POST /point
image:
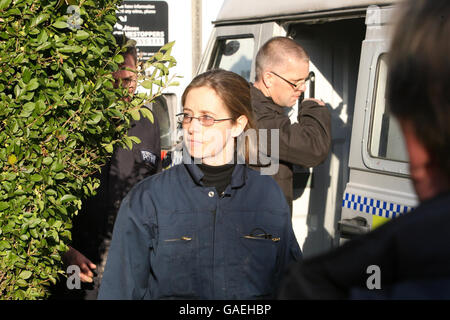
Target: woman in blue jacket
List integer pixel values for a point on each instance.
(209, 228)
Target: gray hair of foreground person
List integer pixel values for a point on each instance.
(419, 77)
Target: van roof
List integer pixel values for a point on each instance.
(265, 10)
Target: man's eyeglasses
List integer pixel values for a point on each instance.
(295, 86)
(205, 120)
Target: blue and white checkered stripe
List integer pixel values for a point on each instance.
(374, 206)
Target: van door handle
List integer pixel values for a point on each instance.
(350, 228)
(312, 84)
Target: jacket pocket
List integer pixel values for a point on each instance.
(175, 258)
(259, 259)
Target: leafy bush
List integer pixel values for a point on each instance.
(59, 120)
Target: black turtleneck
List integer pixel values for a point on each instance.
(217, 176)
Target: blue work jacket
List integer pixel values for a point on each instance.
(174, 238)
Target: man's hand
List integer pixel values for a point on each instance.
(74, 257)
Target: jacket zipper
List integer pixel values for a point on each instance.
(214, 242)
(213, 251)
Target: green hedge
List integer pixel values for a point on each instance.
(59, 120)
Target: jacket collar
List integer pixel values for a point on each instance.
(238, 176)
(260, 100)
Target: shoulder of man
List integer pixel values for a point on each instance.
(263, 105)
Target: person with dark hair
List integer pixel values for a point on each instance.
(209, 228)
(411, 252)
(92, 229)
(282, 70)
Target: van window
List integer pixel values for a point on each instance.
(386, 139)
(234, 54)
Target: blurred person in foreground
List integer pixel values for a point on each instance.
(411, 252)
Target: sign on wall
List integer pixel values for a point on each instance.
(146, 22)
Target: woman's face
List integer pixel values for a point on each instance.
(214, 144)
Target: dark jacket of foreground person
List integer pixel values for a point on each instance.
(412, 253)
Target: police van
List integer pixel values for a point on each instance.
(364, 181)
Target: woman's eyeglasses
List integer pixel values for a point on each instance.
(205, 120)
(295, 86)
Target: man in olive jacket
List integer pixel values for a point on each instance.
(282, 69)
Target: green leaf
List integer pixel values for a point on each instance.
(68, 72)
(36, 177)
(26, 75)
(95, 118)
(12, 159)
(81, 35)
(39, 19)
(60, 176)
(128, 142)
(34, 233)
(4, 245)
(25, 274)
(34, 222)
(47, 160)
(147, 84)
(43, 36)
(4, 4)
(44, 46)
(109, 147)
(17, 91)
(70, 49)
(135, 114)
(51, 192)
(167, 46)
(32, 85)
(80, 72)
(135, 139)
(148, 114)
(24, 237)
(60, 24)
(119, 59)
(27, 109)
(3, 205)
(57, 166)
(21, 283)
(68, 197)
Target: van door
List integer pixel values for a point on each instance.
(334, 48)
(234, 47)
(164, 108)
(379, 187)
